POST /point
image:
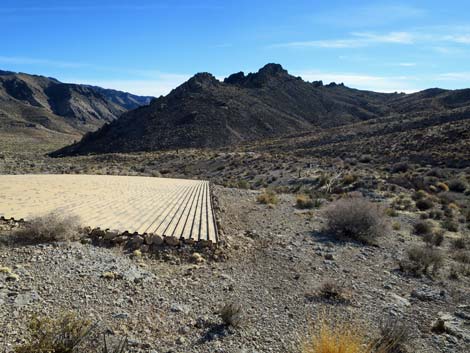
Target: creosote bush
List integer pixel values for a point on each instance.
(457, 185)
(356, 218)
(52, 227)
(422, 227)
(424, 204)
(435, 238)
(422, 260)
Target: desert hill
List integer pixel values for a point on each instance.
(33, 105)
(204, 112)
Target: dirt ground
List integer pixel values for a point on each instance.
(272, 262)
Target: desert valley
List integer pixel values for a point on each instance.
(331, 204)
(248, 212)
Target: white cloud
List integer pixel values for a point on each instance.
(20, 60)
(454, 76)
(407, 64)
(460, 38)
(357, 40)
(369, 15)
(405, 84)
(391, 37)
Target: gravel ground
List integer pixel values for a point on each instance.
(274, 260)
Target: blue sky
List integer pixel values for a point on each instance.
(149, 47)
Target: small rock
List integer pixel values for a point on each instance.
(108, 275)
(12, 277)
(197, 258)
(172, 241)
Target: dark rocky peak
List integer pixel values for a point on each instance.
(236, 79)
(272, 70)
(199, 82)
(317, 83)
(334, 84)
(259, 79)
(4, 73)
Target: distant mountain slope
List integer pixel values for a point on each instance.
(31, 104)
(204, 112)
(124, 99)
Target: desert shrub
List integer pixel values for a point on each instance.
(396, 226)
(365, 158)
(421, 259)
(462, 256)
(356, 218)
(446, 198)
(304, 201)
(436, 214)
(62, 335)
(435, 238)
(243, 184)
(394, 335)
(420, 194)
(424, 204)
(457, 185)
(437, 172)
(442, 186)
(49, 228)
(450, 225)
(422, 227)
(268, 197)
(349, 179)
(336, 336)
(400, 167)
(232, 314)
(67, 334)
(461, 243)
(391, 212)
(332, 290)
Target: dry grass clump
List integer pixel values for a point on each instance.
(442, 186)
(422, 260)
(349, 179)
(232, 314)
(304, 201)
(62, 335)
(331, 290)
(336, 337)
(394, 335)
(52, 227)
(268, 197)
(356, 218)
(66, 334)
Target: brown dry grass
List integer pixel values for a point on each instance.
(336, 337)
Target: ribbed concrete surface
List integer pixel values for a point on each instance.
(167, 207)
